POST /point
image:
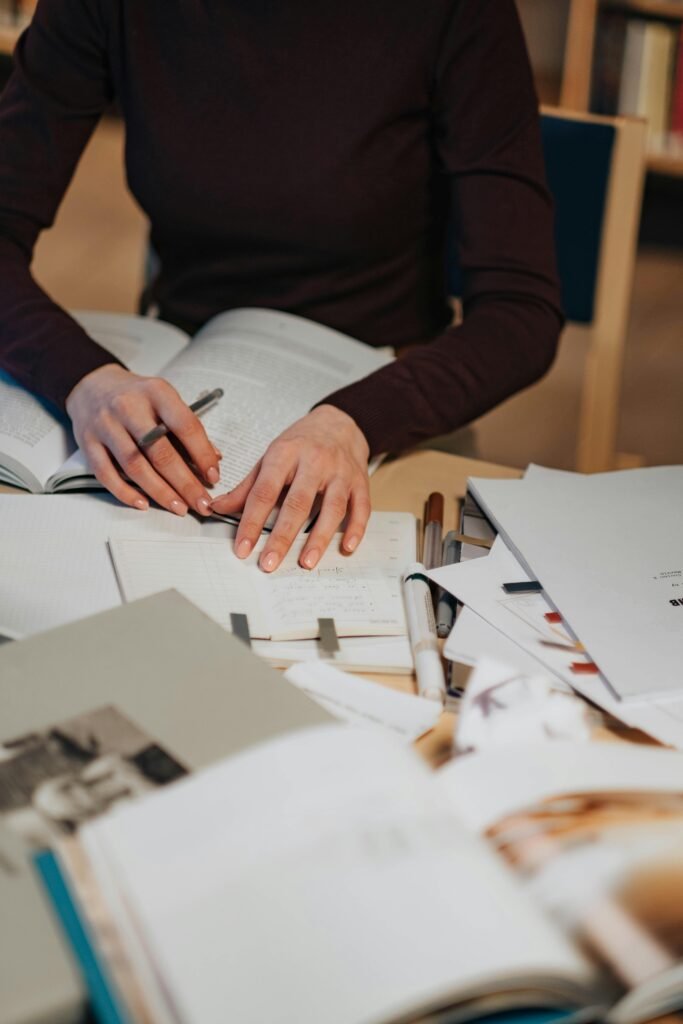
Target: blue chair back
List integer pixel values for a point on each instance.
(578, 158)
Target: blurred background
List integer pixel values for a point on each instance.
(594, 55)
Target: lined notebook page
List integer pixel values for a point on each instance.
(362, 592)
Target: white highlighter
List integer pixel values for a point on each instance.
(422, 633)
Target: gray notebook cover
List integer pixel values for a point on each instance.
(191, 687)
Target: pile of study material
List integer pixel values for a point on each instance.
(585, 580)
(224, 851)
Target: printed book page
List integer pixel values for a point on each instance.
(338, 836)
(597, 840)
(361, 592)
(35, 442)
(273, 368)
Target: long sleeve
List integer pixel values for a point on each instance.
(55, 96)
(487, 143)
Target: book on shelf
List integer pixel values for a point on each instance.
(330, 875)
(637, 71)
(677, 97)
(273, 367)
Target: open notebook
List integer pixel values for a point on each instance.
(45, 583)
(362, 593)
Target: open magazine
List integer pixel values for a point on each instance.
(272, 367)
(329, 875)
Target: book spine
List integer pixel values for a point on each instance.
(647, 76)
(632, 69)
(677, 94)
(609, 60)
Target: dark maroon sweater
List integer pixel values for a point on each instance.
(303, 155)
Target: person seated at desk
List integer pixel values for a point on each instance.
(310, 158)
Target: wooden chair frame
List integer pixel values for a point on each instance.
(601, 388)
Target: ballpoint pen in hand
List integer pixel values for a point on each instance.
(203, 403)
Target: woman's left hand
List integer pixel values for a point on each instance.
(323, 453)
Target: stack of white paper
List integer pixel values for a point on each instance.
(609, 553)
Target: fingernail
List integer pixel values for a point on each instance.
(243, 548)
(212, 475)
(204, 506)
(352, 543)
(310, 559)
(178, 507)
(270, 561)
(141, 504)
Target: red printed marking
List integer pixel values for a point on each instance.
(553, 617)
(587, 668)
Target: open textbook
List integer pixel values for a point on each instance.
(329, 875)
(272, 367)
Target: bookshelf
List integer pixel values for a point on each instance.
(575, 92)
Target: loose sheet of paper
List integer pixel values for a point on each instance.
(362, 702)
(609, 553)
(479, 584)
(472, 638)
(503, 707)
(55, 566)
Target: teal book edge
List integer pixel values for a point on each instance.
(105, 1005)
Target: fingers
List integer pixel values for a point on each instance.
(233, 501)
(323, 453)
(187, 427)
(172, 468)
(359, 513)
(333, 510)
(294, 512)
(173, 476)
(135, 465)
(273, 475)
(112, 408)
(107, 474)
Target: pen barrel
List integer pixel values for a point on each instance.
(432, 545)
(430, 677)
(422, 632)
(445, 613)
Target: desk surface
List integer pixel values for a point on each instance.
(403, 484)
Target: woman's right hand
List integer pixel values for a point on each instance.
(111, 409)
